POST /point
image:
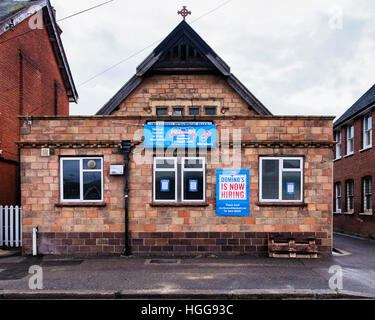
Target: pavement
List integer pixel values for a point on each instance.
(219, 278)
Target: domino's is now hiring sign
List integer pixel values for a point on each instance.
(232, 192)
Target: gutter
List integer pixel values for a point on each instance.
(125, 148)
(353, 117)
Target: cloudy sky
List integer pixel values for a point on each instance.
(297, 57)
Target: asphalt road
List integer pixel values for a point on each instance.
(239, 273)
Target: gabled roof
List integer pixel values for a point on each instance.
(183, 50)
(362, 104)
(18, 11)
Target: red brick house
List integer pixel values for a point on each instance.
(183, 160)
(354, 168)
(35, 79)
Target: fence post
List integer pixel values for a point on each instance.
(17, 226)
(6, 225)
(1, 226)
(11, 225)
(21, 226)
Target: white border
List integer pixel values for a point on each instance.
(164, 169)
(281, 170)
(183, 169)
(81, 170)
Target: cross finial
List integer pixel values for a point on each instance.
(184, 12)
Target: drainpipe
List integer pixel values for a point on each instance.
(125, 148)
(35, 235)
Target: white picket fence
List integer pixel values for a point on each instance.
(10, 226)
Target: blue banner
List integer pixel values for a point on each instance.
(179, 135)
(232, 192)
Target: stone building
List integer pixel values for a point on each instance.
(210, 170)
(354, 168)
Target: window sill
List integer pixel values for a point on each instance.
(366, 148)
(349, 213)
(337, 159)
(80, 204)
(349, 155)
(336, 213)
(179, 204)
(365, 214)
(281, 204)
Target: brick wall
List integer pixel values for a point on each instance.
(355, 167)
(28, 70)
(8, 173)
(153, 228)
(183, 90)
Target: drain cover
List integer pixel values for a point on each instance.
(163, 261)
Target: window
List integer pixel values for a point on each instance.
(338, 144)
(367, 194)
(194, 111)
(165, 179)
(338, 197)
(367, 132)
(193, 179)
(161, 111)
(81, 179)
(178, 111)
(349, 196)
(179, 179)
(350, 140)
(281, 179)
(210, 111)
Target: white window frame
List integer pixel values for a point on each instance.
(338, 196)
(164, 169)
(183, 170)
(367, 128)
(81, 171)
(281, 170)
(364, 199)
(338, 144)
(350, 139)
(351, 210)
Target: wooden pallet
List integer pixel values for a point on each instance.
(281, 247)
(293, 255)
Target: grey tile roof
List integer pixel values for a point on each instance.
(8, 7)
(362, 104)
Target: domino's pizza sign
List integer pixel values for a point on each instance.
(232, 192)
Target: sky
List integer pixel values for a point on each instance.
(311, 57)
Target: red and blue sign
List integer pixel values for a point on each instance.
(180, 135)
(232, 192)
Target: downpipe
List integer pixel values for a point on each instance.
(125, 148)
(35, 236)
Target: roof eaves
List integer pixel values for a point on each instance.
(120, 96)
(245, 94)
(21, 14)
(72, 91)
(366, 101)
